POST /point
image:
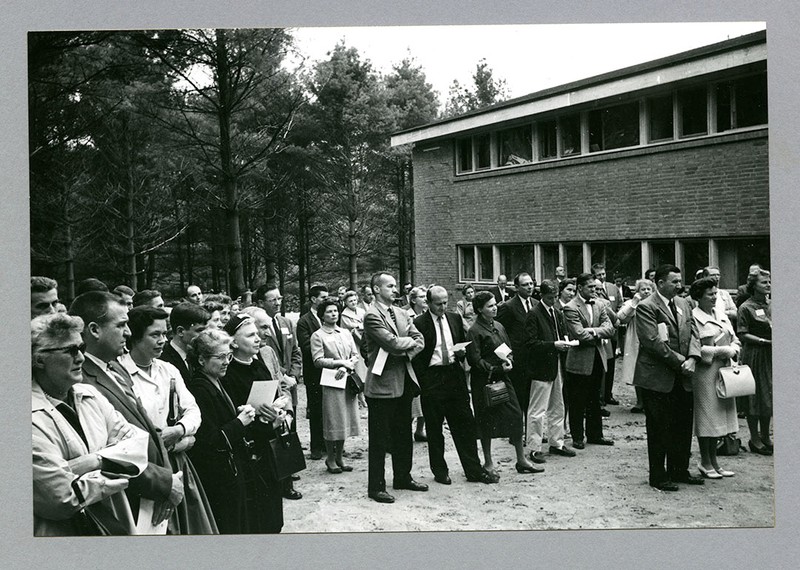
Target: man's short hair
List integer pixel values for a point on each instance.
(547, 286)
(375, 280)
(583, 279)
(366, 287)
(706, 270)
(663, 270)
(90, 284)
(429, 292)
(93, 306)
(519, 276)
(261, 293)
(187, 314)
(597, 267)
(121, 290)
(144, 297)
(139, 318)
(42, 284)
(315, 290)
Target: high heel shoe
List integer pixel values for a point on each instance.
(335, 469)
(528, 469)
(724, 472)
(759, 450)
(708, 473)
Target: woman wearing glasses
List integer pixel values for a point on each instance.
(220, 454)
(71, 422)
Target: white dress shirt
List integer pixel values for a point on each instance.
(437, 358)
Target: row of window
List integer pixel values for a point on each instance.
(686, 112)
(627, 259)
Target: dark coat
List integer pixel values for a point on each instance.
(540, 337)
(306, 326)
(169, 354)
(427, 327)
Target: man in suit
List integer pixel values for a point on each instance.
(546, 348)
(390, 334)
(148, 297)
(444, 390)
(105, 332)
(308, 323)
(667, 357)
(44, 296)
(585, 364)
(501, 291)
(187, 320)
(611, 293)
(367, 298)
(194, 294)
(561, 274)
(512, 315)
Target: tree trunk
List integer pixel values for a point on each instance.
(151, 269)
(69, 247)
(301, 255)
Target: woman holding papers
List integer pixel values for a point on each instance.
(502, 420)
(643, 289)
(72, 422)
(714, 417)
(333, 350)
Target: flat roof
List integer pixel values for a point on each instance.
(719, 56)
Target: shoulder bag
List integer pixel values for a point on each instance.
(734, 381)
(495, 392)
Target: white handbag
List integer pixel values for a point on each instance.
(734, 381)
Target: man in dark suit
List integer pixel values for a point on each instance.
(444, 389)
(105, 332)
(585, 364)
(667, 357)
(512, 315)
(501, 291)
(187, 320)
(611, 293)
(306, 326)
(391, 335)
(544, 341)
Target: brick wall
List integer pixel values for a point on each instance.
(711, 187)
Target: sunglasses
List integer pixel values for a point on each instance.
(226, 356)
(73, 350)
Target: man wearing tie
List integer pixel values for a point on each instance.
(389, 334)
(667, 357)
(512, 316)
(306, 326)
(280, 335)
(585, 364)
(546, 347)
(105, 332)
(611, 293)
(444, 390)
(500, 291)
(187, 320)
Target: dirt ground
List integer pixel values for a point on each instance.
(601, 488)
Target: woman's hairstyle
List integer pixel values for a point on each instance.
(753, 278)
(141, 317)
(220, 298)
(641, 283)
(564, 283)
(480, 299)
(349, 294)
(466, 288)
(324, 306)
(700, 286)
(207, 343)
(212, 306)
(48, 331)
(417, 292)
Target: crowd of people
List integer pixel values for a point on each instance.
(144, 420)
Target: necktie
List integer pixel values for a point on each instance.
(527, 306)
(394, 318)
(674, 310)
(601, 291)
(127, 387)
(277, 332)
(555, 323)
(445, 350)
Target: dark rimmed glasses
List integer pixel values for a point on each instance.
(73, 349)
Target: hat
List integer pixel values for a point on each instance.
(235, 323)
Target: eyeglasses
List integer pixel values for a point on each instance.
(73, 350)
(226, 356)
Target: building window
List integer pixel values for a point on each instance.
(660, 119)
(483, 151)
(614, 127)
(570, 135)
(742, 103)
(465, 155)
(737, 255)
(516, 259)
(549, 260)
(695, 256)
(621, 259)
(548, 140)
(515, 146)
(662, 252)
(693, 105)
(485, 263)
(574, 259)
(467, 263)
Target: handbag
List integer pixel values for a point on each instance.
(729, 445)
(734, 381)
(96, 519)
(286, 453)
(495, 392)
(354, 385)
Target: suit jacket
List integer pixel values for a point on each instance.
(381, 332)
(497, 297)
(659, 362)
(540, 337)
(288, 352)
(156, 480)
(580, 359)
(306, 326)
(169, 354)
(427, 327)
(512, 316)
(611, 293)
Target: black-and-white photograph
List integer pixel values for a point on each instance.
(393, 279)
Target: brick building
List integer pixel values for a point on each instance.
(662, 162)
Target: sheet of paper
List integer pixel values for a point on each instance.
(380, 362)
(262, 392)
(503, 351)
(144, 524)
(575, 342)
(328, 378)
(663, 332)
(459, 345)
(129, 454)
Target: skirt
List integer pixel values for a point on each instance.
(339, 414)
(502, 421)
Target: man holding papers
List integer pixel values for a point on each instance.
(444, 389)
(390, 342)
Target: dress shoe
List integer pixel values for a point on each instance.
(528, 469)
(381, 497)
(345, 468)
(689, 479)
(483, 477)
(637, 410)
(315, 455)
(335, 469)
(612, 402)
(604, 412)
(725, 472)
(410, 485)
(665, 486)
(763, 450)
(578, 444)
(600, 441)
(562, 451)
(443, 479)
(295, 477)
(537, 457)
(293, 495)
(769, 446)
(708, 473)
(420, 437)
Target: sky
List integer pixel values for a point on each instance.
(528, 57)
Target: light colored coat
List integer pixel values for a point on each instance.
(589, 331)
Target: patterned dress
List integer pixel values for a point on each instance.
(755, 317)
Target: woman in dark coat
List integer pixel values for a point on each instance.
(503, 420)
(220, 454)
